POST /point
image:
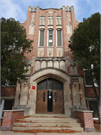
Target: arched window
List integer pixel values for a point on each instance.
(50, 83)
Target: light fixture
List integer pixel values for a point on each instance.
(24, 84)
(75, 85)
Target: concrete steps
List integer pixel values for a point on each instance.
(47, 121)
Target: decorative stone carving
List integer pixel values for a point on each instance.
(32, 25)
(37, 8)
(43, 64)
(50, 64)
(50, 20)
(62, 65)
(24, 93)
(49, 52)
(75, 70)
(67, 8)
(74, 80)
(50, 11)
(76, 96)
(72, 7)
(63, 7)
(75, 91)
(31, 28)
(59, 52)
(29, 8)
(37, 65)
(58, 20)
(56, 64)
(42, 20)
(68, 15)
(69, 28)
(40, 52)
(72, 71)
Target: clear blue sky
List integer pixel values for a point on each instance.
(18, 8)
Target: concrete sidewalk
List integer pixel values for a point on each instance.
(20, 133)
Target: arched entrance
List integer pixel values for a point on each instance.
(50, 97)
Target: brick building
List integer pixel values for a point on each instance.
(54, 83)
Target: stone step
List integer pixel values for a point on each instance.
(49, 115)
(50, 119)
(48, 124)
(48, 128)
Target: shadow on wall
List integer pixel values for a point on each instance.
(74, 107)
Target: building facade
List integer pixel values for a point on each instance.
(54, 83)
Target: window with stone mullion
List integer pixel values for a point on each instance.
(41, 37)
(50, 37)
(59, 38)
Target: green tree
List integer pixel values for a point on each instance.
(14, 44)
(85, 46)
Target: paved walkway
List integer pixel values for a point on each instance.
(19, 133)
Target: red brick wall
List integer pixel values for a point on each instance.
(8, 91)
(86, 119)
(10, 117)
(89, 92)
(35, 36)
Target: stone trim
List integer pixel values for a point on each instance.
(87, 111)
(89, 129)
(6, 128)
(7, 98)
(28, 75)
(19, 110)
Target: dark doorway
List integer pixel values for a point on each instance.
(93, 107)
(8, 104)
(50, 101)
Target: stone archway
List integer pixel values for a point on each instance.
(55, 74)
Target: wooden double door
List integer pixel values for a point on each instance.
(50, 100)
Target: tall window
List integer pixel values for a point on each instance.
(41, 41)
(50, 37)
(87, 78)
(59, 37)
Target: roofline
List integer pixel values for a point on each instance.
(51, 8)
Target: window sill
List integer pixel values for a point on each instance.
(50, 46)
(41, 46)
(9, 86)
(90, 86)
(59, 46)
